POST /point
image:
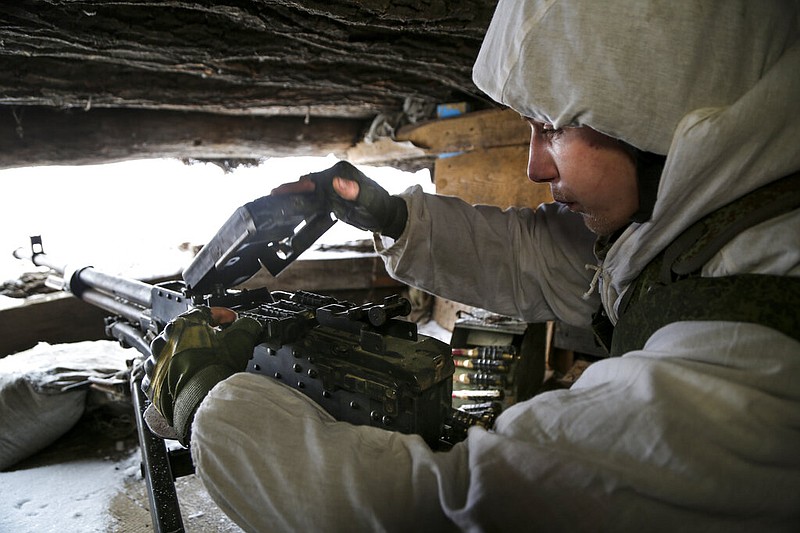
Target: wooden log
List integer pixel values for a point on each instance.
(42, 136)
(355, 58)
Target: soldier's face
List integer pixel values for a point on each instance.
(590, 173)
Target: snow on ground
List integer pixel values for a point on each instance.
(88, 479)
(70, 496)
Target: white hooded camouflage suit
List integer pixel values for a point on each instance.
(697, 431)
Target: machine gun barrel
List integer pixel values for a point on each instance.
(78, 280)
(114, 306)
(134, 291)
(127, 298)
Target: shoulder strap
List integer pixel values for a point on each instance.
(662, 296)
(697, 245)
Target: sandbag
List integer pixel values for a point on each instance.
(44, 390)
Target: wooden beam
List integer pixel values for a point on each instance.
(472, 131)
(44, 136)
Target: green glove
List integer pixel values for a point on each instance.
(373, 210)
(191, 356)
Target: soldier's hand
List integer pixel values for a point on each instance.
(195, 351)
(354, 198)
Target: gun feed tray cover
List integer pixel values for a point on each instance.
(271, 231)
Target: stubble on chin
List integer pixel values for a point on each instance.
(600, 225)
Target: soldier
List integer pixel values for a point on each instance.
(646, 118)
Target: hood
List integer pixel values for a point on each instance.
(712, 84)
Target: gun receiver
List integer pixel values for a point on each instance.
(361, 363)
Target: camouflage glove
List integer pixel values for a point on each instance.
(373, 210)
(191, 356)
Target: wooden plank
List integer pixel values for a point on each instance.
(496, 176)
(55, 318)
(385, 151)
(472, 131)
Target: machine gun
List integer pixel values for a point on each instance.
(361, 363)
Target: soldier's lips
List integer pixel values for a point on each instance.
(572, 206)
